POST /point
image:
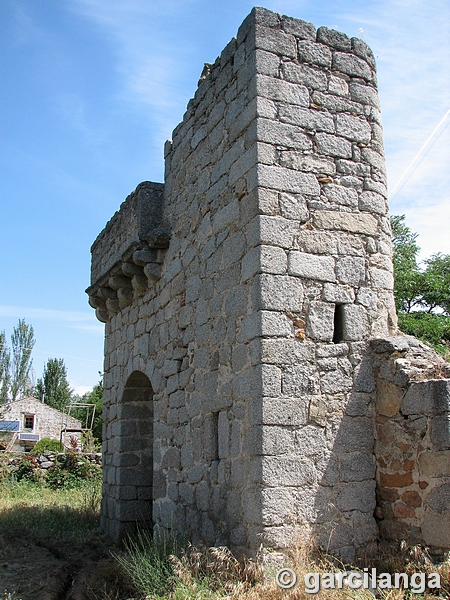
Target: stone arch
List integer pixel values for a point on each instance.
(134, 459)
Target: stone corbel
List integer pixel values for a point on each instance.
(139, 266)
(127, 280)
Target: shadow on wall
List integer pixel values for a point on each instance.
(394, 433)
(134, 456)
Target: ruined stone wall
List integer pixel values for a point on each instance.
(242, 346)
(413, 443)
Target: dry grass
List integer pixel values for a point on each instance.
(215, 573)
(152, 569)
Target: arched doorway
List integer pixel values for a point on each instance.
(134, 455)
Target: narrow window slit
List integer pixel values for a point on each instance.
(215, 436)
(338, 332)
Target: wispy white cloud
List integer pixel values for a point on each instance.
(25, 30)
(411, 41)
(149, 56)
(79, 389)
(79, 359)
(61, 316)
(72, 109)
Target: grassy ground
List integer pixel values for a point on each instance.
(66, 514)
(50, 548)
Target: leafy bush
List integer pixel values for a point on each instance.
(70, 471)
(430, 328)
(27, 469)
(46, 445)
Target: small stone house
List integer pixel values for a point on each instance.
(256, 384)
(24, 422)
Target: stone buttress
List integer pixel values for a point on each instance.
(239, 300)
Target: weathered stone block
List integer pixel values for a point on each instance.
(277, 231)
(284, 471)
(435, 464)
(354, 223)
(353, 128)
(276, 41)
(357, 466)
(317, 54)
(355, 322)
(310, 441)
(373, 202)
(279, 411)
(267, 63)
(427, 398)
(293, 159)
(357, 496)
(299, 380)
(340, 294)
(319, 321)
(284, 351)
(301, 29)
(338, 86)
(284, 180)
(439, 499)
(304, 74)
(440, 431)
(294, 207)
(311, 266)
(335, 382)
(367, 298)
(284, 91)
(277, 292)
(351, 270)
(333, 146)
(364, 94)
(436, 530)
(375, 159)
(389, 398)
(223, 435)
(333, 38)
(338, 194)
(355, 434)
(351, 65)
(308, 119)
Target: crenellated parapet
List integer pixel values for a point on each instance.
(127, 255)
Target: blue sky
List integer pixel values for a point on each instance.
(91, 89)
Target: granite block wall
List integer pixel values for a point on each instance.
(239, 316)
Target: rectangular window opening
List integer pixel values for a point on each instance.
(29, 421)
(338, 331)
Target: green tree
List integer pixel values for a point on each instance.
(96, 397)
(16, 363)
(407, 276)
(22, 343)
(422, 295)
(436, 283)
(53, 388)
(5, 376)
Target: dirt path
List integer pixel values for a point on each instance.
(33, 568)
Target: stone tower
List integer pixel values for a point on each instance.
(239, 300)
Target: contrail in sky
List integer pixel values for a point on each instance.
(418, 155)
